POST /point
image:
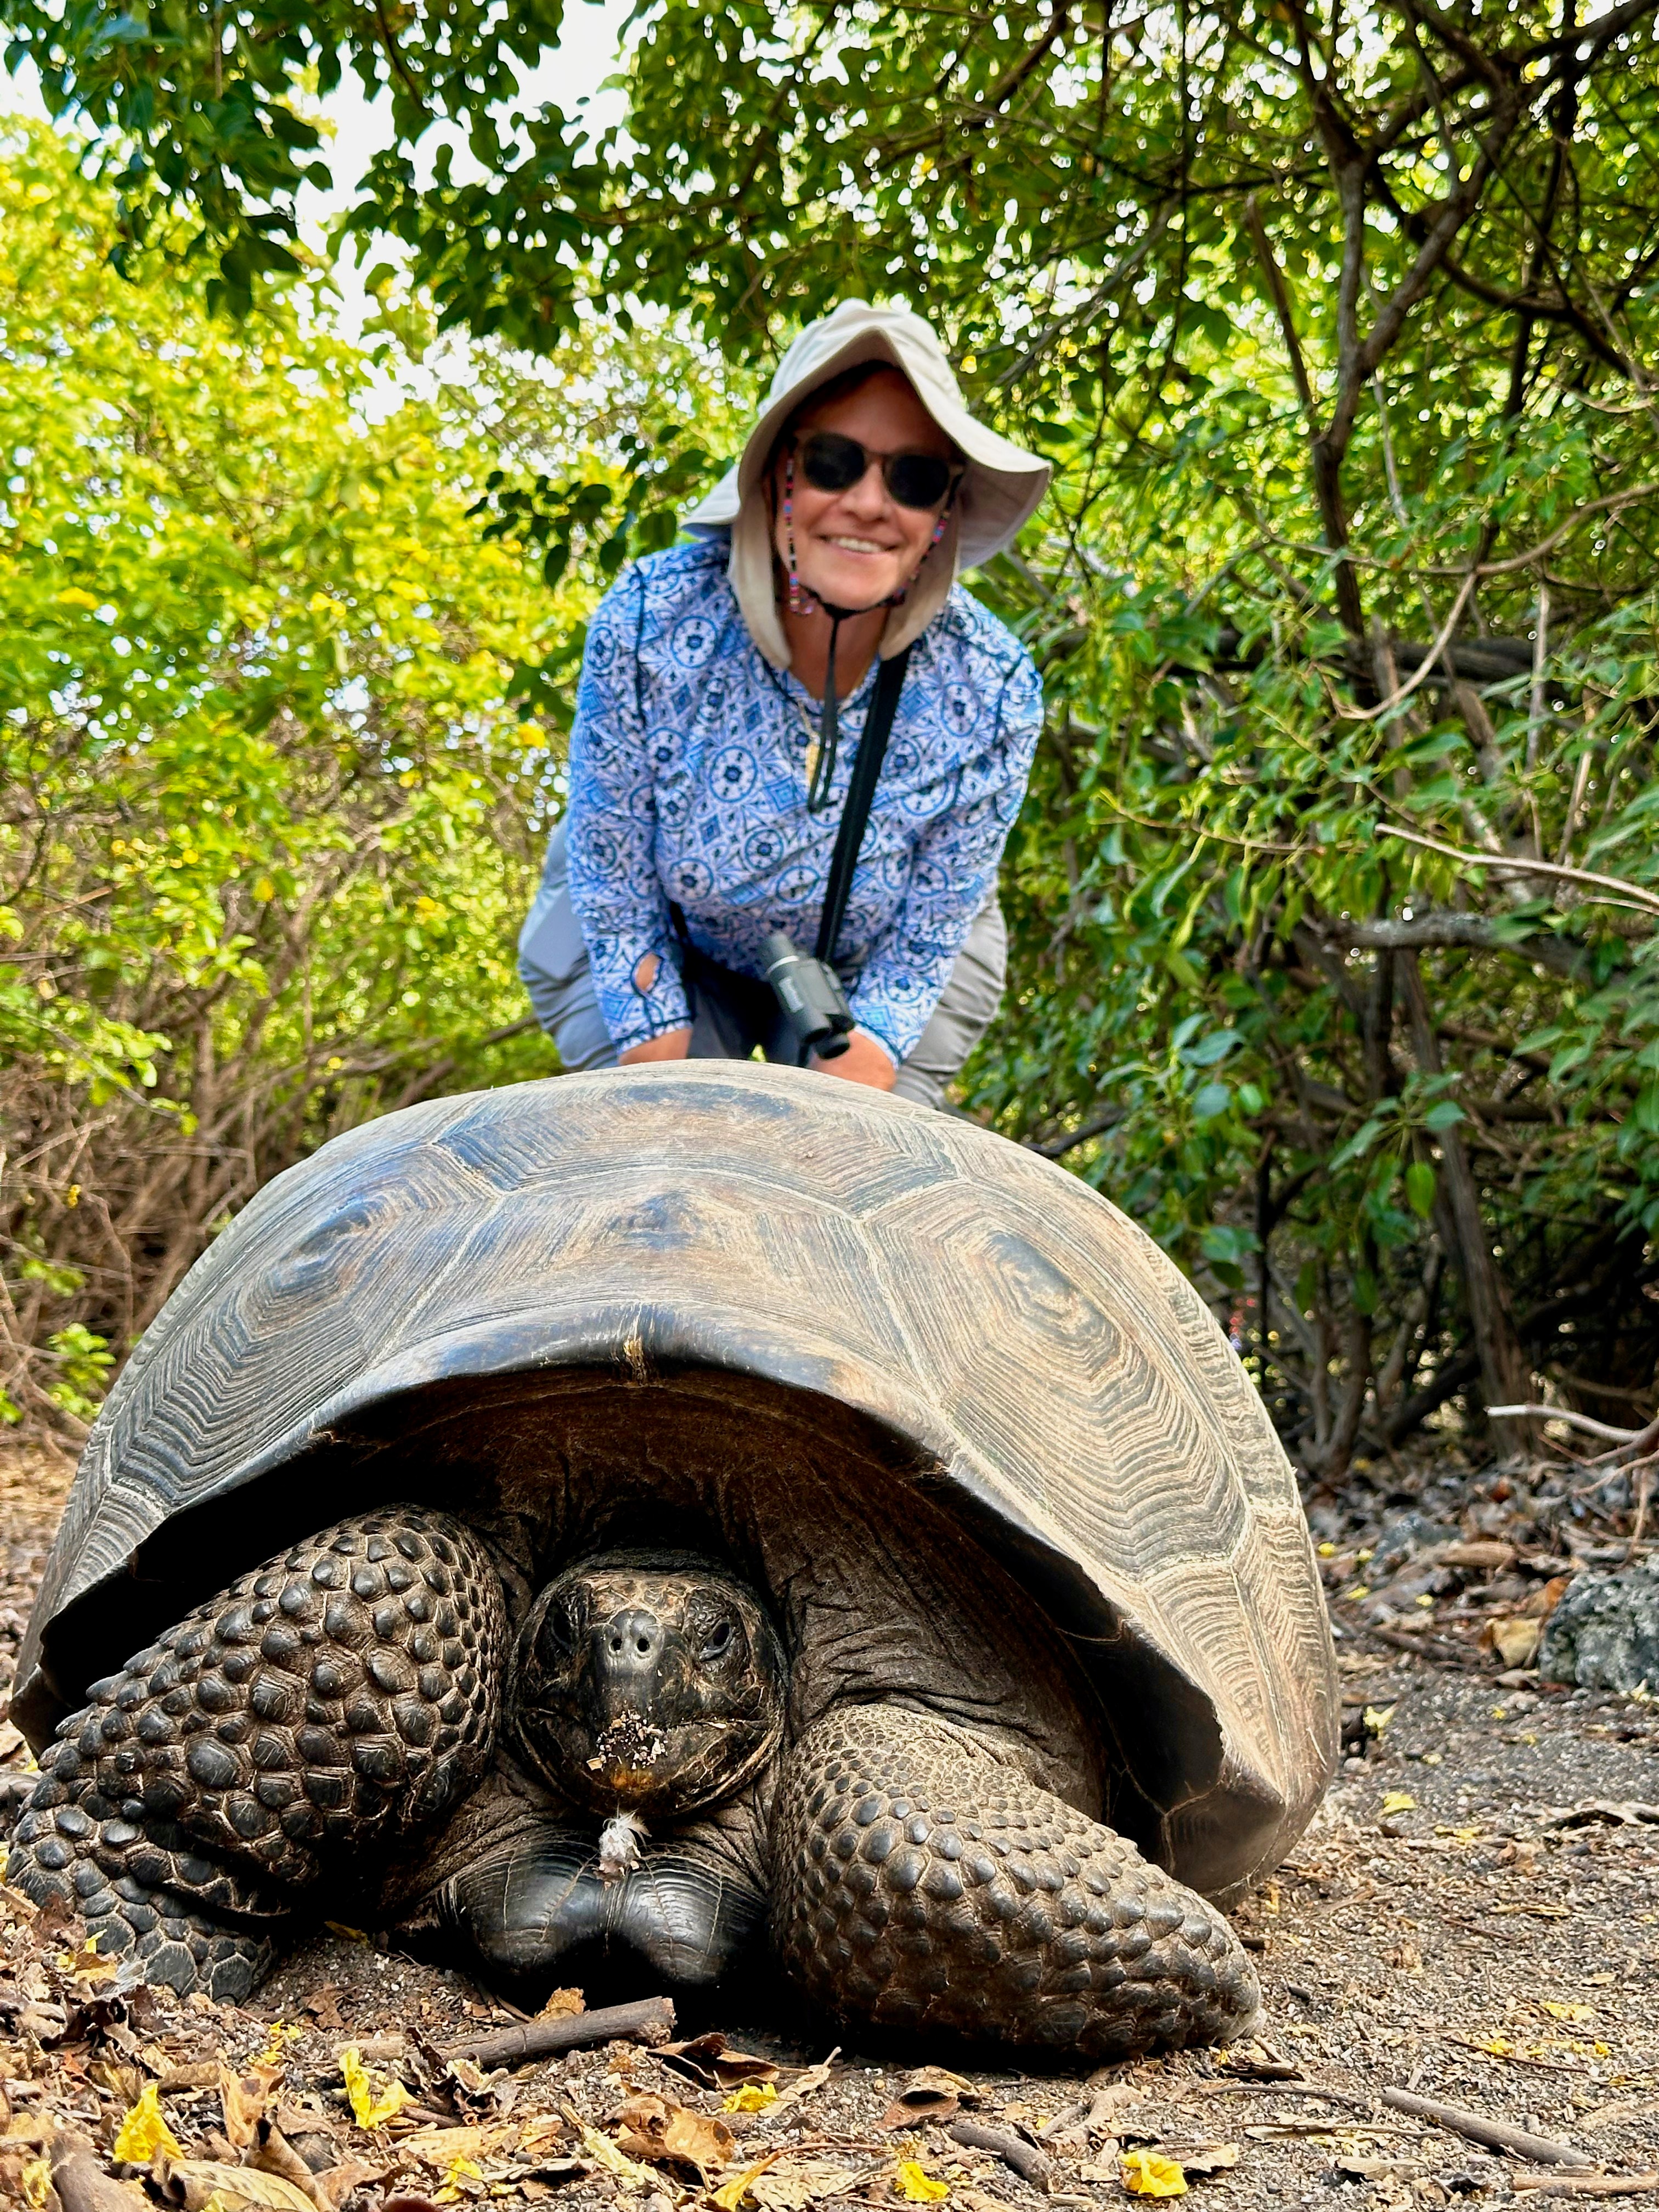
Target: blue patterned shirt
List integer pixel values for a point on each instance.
(688, 782)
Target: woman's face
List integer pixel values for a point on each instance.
(856, 548)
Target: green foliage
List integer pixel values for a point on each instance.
(268, 821)
(1334, 903)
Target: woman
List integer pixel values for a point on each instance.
(723, 689)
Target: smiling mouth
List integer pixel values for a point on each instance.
(858, 545)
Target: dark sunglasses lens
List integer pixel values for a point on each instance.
(918, 479)
(831, 463)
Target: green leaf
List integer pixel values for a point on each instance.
(1421, 1184)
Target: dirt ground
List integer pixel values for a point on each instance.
(1473, 1918)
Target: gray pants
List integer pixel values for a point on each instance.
(553, 962)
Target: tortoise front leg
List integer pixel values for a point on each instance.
(921, 1883)
(304, 1720)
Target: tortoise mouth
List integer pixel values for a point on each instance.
(649, 1684)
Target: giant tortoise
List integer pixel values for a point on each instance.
(647, 1511)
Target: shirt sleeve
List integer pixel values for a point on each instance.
(953, 869)
(614, 886)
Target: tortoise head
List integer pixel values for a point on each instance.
(648, 1683)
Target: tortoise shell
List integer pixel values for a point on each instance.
(1000, 1334)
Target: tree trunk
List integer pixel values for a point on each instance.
(1505, 1370)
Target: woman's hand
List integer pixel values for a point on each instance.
(863, 1061)
(673, 1044)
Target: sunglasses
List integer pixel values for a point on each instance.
(830, 462)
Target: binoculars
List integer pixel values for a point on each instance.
(809, 996)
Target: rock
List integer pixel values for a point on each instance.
(1402, 1539)
(1604, 1634)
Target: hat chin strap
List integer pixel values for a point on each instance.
(803, 600)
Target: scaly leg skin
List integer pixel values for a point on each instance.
(314, 1712)
(922, 1884)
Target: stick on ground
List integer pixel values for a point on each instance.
(1013, 2150)
(651, 2019)
(1496, 2135)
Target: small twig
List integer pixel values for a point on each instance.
(1508, 2058)
(1588, 2185)
(1425, 1647)
(1560, 1413)
(651, 2019)
(1027, 2161)
(1516, 865)
(1288, 2089)
(1496, 2135)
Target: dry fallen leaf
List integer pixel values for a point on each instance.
(144, 2131)
(806, 2084)
(331, 2187)
(562, 2004)
(242, 2104)
(1207, 2159)
(929, 2094)
(1514, 1640)
(323, 2005)
(196, 2184)
(792, 2184)
(1144, 2174)
(439, 2147)
(669, 2135)
(708, 2061)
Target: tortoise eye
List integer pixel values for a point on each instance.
(718, 1643)
(558, 1640)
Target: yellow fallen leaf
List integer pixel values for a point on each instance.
(462, 2169)
(1566, 2011)
(604, 2153)
(733, 2195)
(753, 2097)
(915, 2186)
(144, 2131)
(1145, 2174)
(1399, 1801)
(276, 2035)
(35, 2181)
(1360, 1590)
(371, 2106)
(562, 2004)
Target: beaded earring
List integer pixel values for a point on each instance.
(903, 591)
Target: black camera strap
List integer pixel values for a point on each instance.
(861, 792)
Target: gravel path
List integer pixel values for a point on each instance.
(1473, 1917)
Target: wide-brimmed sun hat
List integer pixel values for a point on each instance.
(1001, 487)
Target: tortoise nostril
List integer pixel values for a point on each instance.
(616, 1644)
(643, 1646)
